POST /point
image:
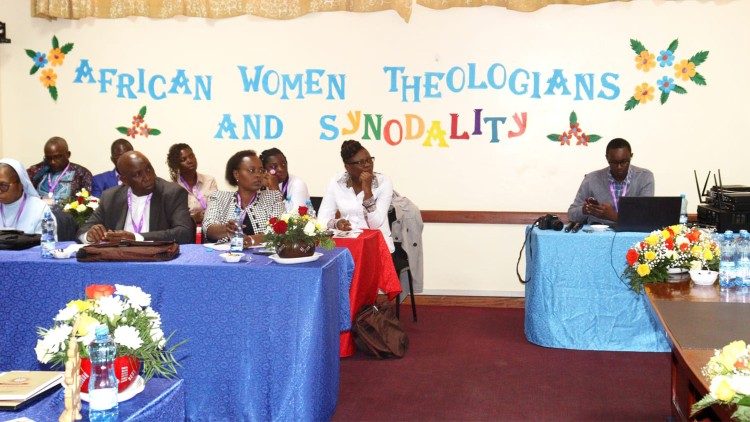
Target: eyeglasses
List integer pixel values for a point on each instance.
(362, 162)
(619, 163)
(5, 186)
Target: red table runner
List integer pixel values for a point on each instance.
(373, 270)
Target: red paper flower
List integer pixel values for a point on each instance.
(280, 227)
(669, 243)
(272, 220)
(693, 236)
(631, 256)
(95, 291)
(81, 200)
(302, 210)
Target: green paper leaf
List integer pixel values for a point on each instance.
(123, 130)
(33, 69)
(664, 97)
(553, 137)
(636, 46)
(742, 413)
(678, 89)
(53, 92)
(673, 45)
(154, 132)
(698, 79)
(55, 43)
(142, 111)
(30, 53)
(573, 118)
(706, 401)
(632, 102)
(594, 138)
(699, 57)
(745, 401)
(66, 48)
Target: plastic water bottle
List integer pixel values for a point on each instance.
(683, 210)
(310, 208)
(727, 270)
(49, 234)
(238, 238)
(743, 259)
(103, 406)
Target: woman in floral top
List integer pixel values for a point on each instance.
(257, 195)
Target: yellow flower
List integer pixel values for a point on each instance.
(645, 61)
(56, 57)
(684, 70)
(86, 324)
(708, 255)
(721, 388)
(665, 234)
(81, 208)
(650, 255)
(48, 78)
(84, 193)
(643, 270)
(652, 239)
(696, 251)
(731, 352)
(644, 93)
(677, 229)
(83, 305)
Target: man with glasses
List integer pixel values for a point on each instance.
(56, 178)
(600, 192)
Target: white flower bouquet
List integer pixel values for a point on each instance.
(135, 328)
(729, 373)
(81, 206)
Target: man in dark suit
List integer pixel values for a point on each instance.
(109, 179)
(145, 207)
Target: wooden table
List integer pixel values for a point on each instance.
(698, 320)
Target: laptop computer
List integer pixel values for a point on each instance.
(647, 213)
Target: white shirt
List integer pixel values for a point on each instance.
(139, 203)
(341, 197)
(296, 194)
(30, 221)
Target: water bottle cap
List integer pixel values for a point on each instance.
(102, 332)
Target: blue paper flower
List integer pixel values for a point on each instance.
(665, 84)
(40, 60)
(665, 58)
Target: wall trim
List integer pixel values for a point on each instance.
(495, 217)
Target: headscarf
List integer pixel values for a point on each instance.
(23, 177)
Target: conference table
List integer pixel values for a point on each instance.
(698, 320)
(262, 338)
(160, 400)
(373, 272)
(577, 299)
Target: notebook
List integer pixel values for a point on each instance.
(647, 213)
(18, 388)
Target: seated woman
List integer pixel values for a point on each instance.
(183, 169)
(361, 196)
(293, 189)
(254, 204)
(21, 208)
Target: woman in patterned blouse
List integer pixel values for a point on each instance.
(256, 200)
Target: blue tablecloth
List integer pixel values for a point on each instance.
(262, 337)
(161, 400)
(575, 298)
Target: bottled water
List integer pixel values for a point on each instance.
(683, 210)
(310, 208)
(727, 270)
(49, 234)
(103, 406)
(238, 238)
(743, 259)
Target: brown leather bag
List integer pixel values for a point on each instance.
(130, 250)
(378, 332)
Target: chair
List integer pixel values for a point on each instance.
(66, 225)
(401, 263)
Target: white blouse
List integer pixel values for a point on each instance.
(296, 194)
(340, 197)
(30, 220)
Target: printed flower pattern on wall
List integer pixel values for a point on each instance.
(684, 70)
(55, 57)
(574, 131)
(138, 126)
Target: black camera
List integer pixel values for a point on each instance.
(549, 222)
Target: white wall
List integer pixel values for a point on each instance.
(704, 129)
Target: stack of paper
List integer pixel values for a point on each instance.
(17, 387)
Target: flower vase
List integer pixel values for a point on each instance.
(677, 275)
(295, 250)
(127, 369)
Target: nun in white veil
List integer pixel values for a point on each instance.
(20, 205)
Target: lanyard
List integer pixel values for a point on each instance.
(195, 191)
(615, 198)
(18, 214)
(243, 214)
(284, 188)
(137, 227)
(52, 186)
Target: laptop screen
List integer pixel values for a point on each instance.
(647, 213)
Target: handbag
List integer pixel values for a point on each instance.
(17, 240)
(378, 332)
(129, 251)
